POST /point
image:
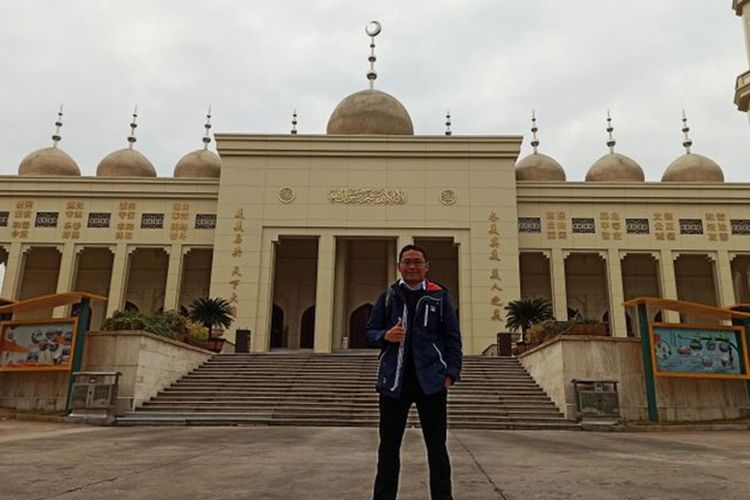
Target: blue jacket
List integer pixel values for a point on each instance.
(435, 340)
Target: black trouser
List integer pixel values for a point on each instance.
(433, 418)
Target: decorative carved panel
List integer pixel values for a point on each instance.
(205, 221)
(99, 219)
(691, 226)
(46, 219)
(152, 221)
(583, 225)
(529, 225)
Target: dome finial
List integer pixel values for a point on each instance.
(373, 29)
(611, 142)
(294, 122)
(685, 130)
(56, 137)
(207, 137)
(133, 125)
(448, 123)
(534, 130)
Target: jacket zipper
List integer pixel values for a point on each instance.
(400, 361)
(440, 355)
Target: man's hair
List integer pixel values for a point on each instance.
(416, 248)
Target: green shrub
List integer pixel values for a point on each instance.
(167, 324)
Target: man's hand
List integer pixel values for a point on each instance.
(396, 333)
(448, 382)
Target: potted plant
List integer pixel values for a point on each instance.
(211, 313)
(588, 326)
(523, 313)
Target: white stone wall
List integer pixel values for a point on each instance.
(148, 362)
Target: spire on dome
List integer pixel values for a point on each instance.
(133, 126)
(294, 123)
(534, 130)
(372, 29)
(448, 123)
(56, 137)
(207, 137)
(685, 130)
(611, 142)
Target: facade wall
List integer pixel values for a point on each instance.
(274, 187)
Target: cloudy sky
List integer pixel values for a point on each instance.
(489, 61)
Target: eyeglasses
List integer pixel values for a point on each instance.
(413, 262)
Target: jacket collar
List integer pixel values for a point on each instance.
(420, 286)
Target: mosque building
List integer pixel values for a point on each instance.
(300, 232)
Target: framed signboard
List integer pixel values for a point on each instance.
(37, 345)
(699, 351)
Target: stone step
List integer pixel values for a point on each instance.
(301, 388)
(452, 400)
(332, 415)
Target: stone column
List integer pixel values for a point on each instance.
(668, 283)
(340, 310)
(559, 292)
(119, 279)
(174, 271)
(324, 293)
(618, 326)
(392, 264)
(401, 241)
(723, 279)
(65, 275)
(13, 270)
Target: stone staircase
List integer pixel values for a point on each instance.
(338, 390)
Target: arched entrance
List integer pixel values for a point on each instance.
(277, 328)
(307, 329)
(358, 326)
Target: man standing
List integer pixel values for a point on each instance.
(416, 328)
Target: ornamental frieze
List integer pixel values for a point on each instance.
(367, 196)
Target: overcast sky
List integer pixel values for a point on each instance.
(490, 62)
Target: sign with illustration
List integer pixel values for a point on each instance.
(37, 345)
(700, 351)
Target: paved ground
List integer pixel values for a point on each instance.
(43, 460)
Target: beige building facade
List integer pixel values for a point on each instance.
(301, 232)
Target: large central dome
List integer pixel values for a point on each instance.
(370, 112)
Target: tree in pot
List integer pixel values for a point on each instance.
(211, 312)
(523, 313)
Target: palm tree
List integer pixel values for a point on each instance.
(211, 312)
(524, 313)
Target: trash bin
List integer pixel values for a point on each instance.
(504, 344)
(242, 340)
(597, 400)
(94, 396)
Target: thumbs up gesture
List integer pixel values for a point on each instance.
(396, 333)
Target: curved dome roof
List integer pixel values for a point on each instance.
(125, 163)
(539, 167)
(199, 163)
(693, 168)
(615, 167)
(370, 112)
(48, 161)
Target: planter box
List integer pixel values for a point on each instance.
(586, 329)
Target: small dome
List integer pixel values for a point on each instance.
(48, 161)
(370, 112)
(693, 168)
(200, 163)
(614, 167)
(125, 163)
(539, 167)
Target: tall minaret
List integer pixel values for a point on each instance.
(742, 88)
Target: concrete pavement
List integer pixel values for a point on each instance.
(46, 460)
